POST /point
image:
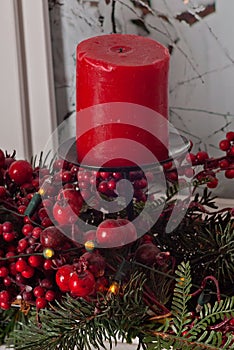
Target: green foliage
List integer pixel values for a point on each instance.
(9, 321)
(180, 299)
(83, 323)
(205, 237)
(180, 331)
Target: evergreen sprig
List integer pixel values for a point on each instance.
(181, 296)
(81, 323)
(180, 331)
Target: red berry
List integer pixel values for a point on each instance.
(103, 187)
(42, 213)
(140, 184)
(48, 264)
(110, 234)
(147, 253)
(172, 176)
(229, 174)
(5, 296)
(111, 184)
(5, 306)
(22, 245)
(38, 291)
(21, 209)
(21, 265)
(28, 272)
(62, 277)
(7, 226)
(46, 283)
(231, 152)
(167, 165)
(224, 145)
(105, 175)
(224, 164)
(46, 222)
(82, 284)
(213, 183)
(202, 156)
(230, 135)
(36, 232)
(50, 295)
(96, 263)
(3, 271)
(51, 237)
(67, 208)
(117, 176)
(66, 176)
(27, 229)
(7, 281)
(27, 296)
(35, 260)
(9, 236)
(20, 171)
(35, 183)
(41, 303)
(191, 158)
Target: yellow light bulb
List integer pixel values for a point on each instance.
(89, 246)
(48, 253)
(114, 288)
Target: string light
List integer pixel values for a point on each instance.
(119, 276)
(37, 198)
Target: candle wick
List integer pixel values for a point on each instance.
(120, 49)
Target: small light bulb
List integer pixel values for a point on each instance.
(48, 253)
(114, 288)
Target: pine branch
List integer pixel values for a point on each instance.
(81, 323)
(180, 331)
(180, 299)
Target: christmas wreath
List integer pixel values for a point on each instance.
(166, 288)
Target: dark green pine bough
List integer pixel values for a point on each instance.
(82, 324)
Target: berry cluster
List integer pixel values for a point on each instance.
(212, 166)
(38, 263)
(106, 183)
(36, 258)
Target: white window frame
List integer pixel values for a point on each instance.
(27, 104)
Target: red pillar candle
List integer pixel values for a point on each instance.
(121, 68)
